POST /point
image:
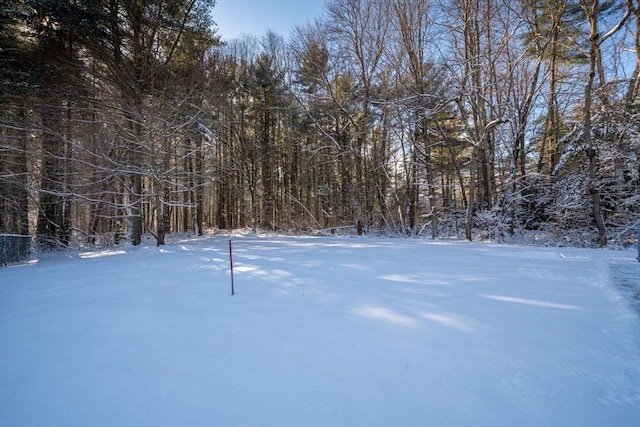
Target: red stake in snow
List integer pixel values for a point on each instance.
(231, 266)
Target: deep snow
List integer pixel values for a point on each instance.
(321, 332)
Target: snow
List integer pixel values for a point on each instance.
(321, 332)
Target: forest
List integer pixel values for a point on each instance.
(503, 120)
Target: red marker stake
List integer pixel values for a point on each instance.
(231, 266)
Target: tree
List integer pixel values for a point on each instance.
(593, 10)
(16, 79)
(55, 80)
(147, 42)
(552, 26)
(383, 115)
(425, 96)
(360, 28)
(475, 47)
(633, 92)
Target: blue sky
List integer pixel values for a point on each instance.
(236, 17)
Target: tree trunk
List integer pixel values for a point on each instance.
(468, 218)
(14, 177)
(633, 91)
(53, 227)
(592, 185)
(199, 189)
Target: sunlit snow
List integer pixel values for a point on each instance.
(321, 332)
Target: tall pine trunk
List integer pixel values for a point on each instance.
(592, 11)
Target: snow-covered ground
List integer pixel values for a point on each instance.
(321, 332)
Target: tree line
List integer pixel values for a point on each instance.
(492, 119)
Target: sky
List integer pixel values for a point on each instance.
(237, 17)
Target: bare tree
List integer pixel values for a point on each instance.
(425, 96)
(360, 29)
(592, 10)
